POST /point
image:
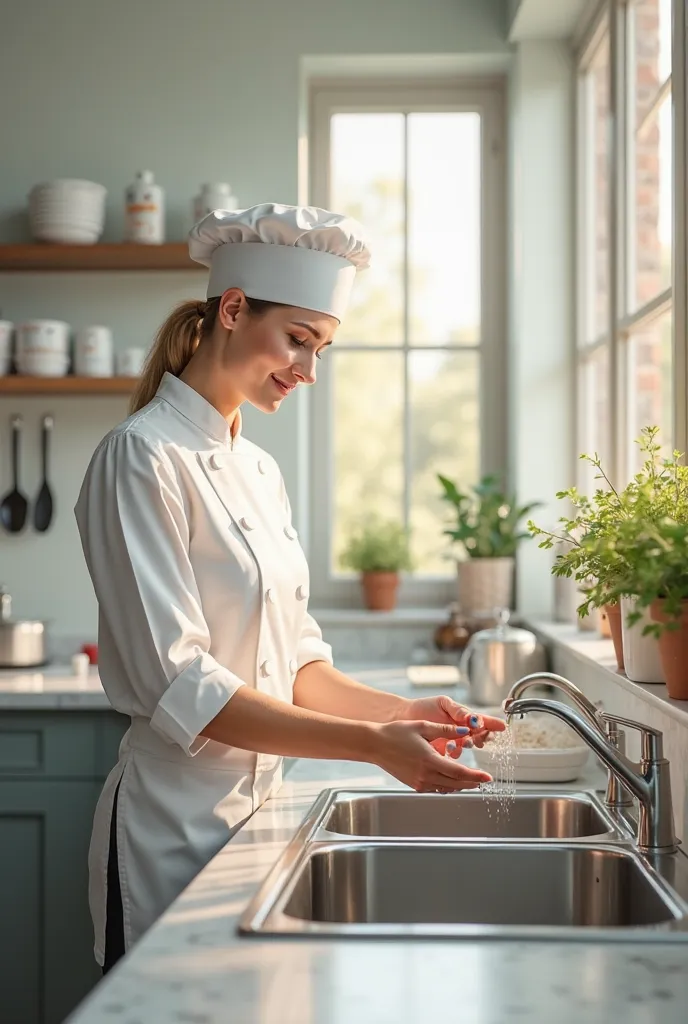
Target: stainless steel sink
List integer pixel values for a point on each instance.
(437, 889)
(405, 815)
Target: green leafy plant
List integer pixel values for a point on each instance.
(630, 542)
(487, 520)
(378, 546)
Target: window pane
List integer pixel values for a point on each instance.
(593, 415)
(649, 387)
(651, 187)
(367, 182)
(596, 146)
(444, 251)
(445, 438)
(368, 472)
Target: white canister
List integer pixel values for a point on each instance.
(213, 196)
(642, 661)
(46, 337)
(130, 361)
(6, 330)
(93, 351)
(145, 211)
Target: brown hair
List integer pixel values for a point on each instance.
(178, 338)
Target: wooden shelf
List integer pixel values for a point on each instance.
(108, 256)
(17, 384)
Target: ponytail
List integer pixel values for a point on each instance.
(177, 340)
(175, 343)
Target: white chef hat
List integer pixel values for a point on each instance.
(296, 255)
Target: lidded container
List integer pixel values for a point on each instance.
(145, 211)
(495, 659)
(22, 641)
(213, 196)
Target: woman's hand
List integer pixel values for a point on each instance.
(446, 711)
(407, 750)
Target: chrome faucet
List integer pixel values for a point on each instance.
(617, 795)
(648, 781)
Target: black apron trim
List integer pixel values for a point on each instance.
(114, 914)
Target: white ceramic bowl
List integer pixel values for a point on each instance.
(67, 210)
(45, 336)
(66, 235)
(42, 365)
(542, 764)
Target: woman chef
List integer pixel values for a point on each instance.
(205, 640)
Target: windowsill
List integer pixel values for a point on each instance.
(363, 617)
(592, 651)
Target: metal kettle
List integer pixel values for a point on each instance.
(495, 659)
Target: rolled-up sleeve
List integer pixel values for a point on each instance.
(134, 530)
(311, 646)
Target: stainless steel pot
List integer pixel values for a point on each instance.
(494, 659)
(22, 642)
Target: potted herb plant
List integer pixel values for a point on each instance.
(379, 551)
(630, 550)
(488, 532)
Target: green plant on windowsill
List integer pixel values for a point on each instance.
(378, 546)
(606, 532)
(379, 551)
(488, 521)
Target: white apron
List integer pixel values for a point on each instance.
(202, 587)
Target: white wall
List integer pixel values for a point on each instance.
(195, 92)
(541, 299)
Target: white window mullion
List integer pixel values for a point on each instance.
(406, 320)
(680, 212)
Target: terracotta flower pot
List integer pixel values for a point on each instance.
(673, 649)
(613, 613)
(380, 590)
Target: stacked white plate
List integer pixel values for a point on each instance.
(67, 211)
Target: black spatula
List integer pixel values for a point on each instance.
(43, 509)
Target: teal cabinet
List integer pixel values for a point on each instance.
(52, 768)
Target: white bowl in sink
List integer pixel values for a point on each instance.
(546, 764)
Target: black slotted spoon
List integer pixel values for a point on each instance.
(14, 505)
(43, 509)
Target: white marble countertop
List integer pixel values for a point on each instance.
(193, 967)
(51, 687)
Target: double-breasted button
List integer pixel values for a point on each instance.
(215, 462)
(266, 668)
(290, 532)
(301, 592)
(269, 596)
(293, 665)
(261, 467)
(245, 524)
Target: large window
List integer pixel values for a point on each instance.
(626, 218)
(400, 393)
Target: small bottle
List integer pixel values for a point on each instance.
(145, 211)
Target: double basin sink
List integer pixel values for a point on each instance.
(539, 866)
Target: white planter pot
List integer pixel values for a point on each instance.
(485, 584)
(641, 653)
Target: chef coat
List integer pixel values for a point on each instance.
(202, 587)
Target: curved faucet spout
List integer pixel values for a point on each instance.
(613, 758)
(649, 782)
(586, 707)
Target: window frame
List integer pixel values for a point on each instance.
(487, 96)
(616, 16)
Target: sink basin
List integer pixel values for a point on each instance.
(466, 815)
(440, 889)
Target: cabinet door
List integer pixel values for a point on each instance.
(46, 937)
